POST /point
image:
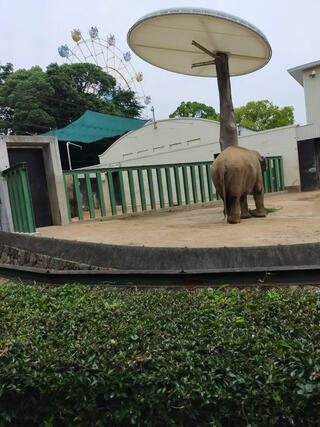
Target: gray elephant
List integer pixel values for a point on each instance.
(235, 173)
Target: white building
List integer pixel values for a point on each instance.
(190, 139)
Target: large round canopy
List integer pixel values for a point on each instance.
(164, 39)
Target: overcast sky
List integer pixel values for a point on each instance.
(31, 31)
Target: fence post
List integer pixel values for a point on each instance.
(169, 186)
(122, 193)
(27, 201)
(151, 189)
(281, 173)
(132, 191)
(185, 184)
(177, 183)
(201, 180)
(90, 195)
(209, 181)
(111, 193)
(101, 195)
(142, 192)
(67, 196)
(78, 196)
(160, 188)
(194, 184)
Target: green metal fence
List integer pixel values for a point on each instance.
(273, 178)
(20, 198)
(105, 192)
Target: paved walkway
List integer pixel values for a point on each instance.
(297, 220)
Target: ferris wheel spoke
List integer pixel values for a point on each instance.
(80, 48)
(94, 56)
(102, 52)
(74, 58)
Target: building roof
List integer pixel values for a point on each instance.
(297, 72)
(92, 127)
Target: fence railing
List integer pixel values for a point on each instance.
(105, 192)
(20, 198)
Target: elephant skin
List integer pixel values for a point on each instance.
(235, 173)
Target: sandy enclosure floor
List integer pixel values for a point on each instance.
(297, 220)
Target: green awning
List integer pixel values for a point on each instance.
(92, 127)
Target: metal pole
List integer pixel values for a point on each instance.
(68, 152)
(154, 118)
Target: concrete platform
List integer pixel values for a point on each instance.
(296, 221)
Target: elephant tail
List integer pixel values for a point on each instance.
(224, 197)
(223, 191)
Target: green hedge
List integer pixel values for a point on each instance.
(80, 356)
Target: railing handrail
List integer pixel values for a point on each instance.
(152, 166)
(125, 168)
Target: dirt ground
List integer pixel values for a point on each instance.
(296, 220)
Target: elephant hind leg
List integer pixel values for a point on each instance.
(244, 207)
(259, 201)
(233, 206)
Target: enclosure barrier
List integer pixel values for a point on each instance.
(105, 192)
(20, 198)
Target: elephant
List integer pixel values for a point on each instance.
(237, 172)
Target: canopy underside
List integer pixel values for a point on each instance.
(165, 40)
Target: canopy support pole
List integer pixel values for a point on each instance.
(68, 151)
(228, 126)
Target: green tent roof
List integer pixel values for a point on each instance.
(92, 126)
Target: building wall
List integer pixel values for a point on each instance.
(311, 83)
(192, 140)
(278, 142)
(172, 141)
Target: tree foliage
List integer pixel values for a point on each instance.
(194, 109)
(35, 101)
(262, 115)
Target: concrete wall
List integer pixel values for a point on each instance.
(24, 257)
(151, 258)
(52, 165)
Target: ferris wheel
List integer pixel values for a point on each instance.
(105, 54)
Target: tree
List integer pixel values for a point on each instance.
(194, 109)
(262, 115)
(259, 115)
(35, 101)
(80, 87)
(24, 94)
(5, 111)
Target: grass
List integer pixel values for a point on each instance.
(268, 210)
